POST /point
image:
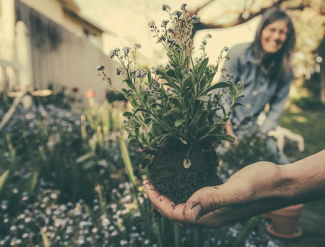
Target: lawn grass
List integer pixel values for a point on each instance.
(310, 124)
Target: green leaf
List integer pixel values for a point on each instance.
(210, 128)
(201, 69)
(203, 98)
(171, 73)
(168, 78)
(175, 102)
(150, 81)
(218, 137)
(159, 125)
(186, 61)
(187, 84)
(156, 104)
(46, 240)
(136, 132)
(127, 114)
(179, 122)
(242, 236)
(222, 84)
(130, 84)
(199, 116)
(127, 93)
(147, 120)
(3, 178)
(234, 106)
(133, 102)
(233, 92)
(141, 110)
(31, 182)
(210, 78)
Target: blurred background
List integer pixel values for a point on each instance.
(66, 176)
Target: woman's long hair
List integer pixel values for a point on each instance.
(280, 63)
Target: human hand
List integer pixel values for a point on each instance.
(250, 191)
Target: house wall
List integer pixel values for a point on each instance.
(60, 58)
(53, 10)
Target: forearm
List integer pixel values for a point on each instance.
(299, 182)
(305, 179)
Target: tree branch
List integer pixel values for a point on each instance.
(240, 19)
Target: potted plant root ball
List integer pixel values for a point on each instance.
(178, 111)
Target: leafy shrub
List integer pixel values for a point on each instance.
(250, 149)
(47, 143)
(308, 103)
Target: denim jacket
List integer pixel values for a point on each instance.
(259, 90)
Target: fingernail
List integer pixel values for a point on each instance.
(196, 210)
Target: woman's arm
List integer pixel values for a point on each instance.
(277, 105)
(256, 189)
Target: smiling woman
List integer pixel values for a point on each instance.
(274, 36)
(265, 68)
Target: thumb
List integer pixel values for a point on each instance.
(201, 203)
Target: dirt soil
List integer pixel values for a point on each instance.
(169, 176)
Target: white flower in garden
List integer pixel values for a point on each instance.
(165, 7)
(111, 54)
(177, 13)
(126, 50)
(195, 19)
(152, 24)
(137, 45)
(164, 23)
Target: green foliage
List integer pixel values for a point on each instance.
(178, 101)
(308, 103)
(301, 122)
(62, 147)
(57, 190)
(250, 149)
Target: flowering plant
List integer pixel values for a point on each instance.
(175, 101)
(178, 112)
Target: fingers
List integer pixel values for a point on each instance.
(200, 209)
(163, 204)
(202, 202)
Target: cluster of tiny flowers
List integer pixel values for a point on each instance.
(187, 72)
(221, 56)
(177, 14)
(36, 131)
(101, 72)
(114, 53)
(180, 23)
(119, 71)
(139, 73)
(73, 224)
(203, 45)
(165, 7)
(195, 19)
